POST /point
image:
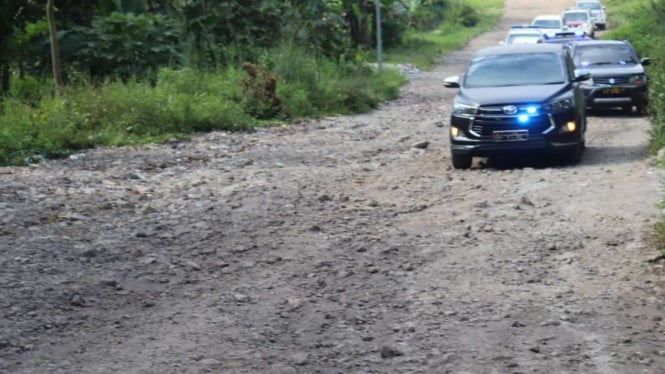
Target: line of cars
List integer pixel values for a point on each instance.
(533, 95)
(583, 20)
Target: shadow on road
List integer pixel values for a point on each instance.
(613, 112)
(614, 154)
(609, 155)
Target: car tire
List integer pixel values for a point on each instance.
(461, 161)
(574, 156)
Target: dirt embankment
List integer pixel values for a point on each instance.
(347, 245)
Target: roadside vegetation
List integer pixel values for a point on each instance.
(448, 28)
(641, 23)
(139, 71)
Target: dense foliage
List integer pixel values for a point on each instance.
(151, 70)
(641, 23)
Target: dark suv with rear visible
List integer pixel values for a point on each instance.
(516, 98)
(618, 79)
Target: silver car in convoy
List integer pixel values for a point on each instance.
(597, 10)
(579, 19)
(549, 23)
(523, 34)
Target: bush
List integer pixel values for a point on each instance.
(28, 90)
(117, 113)
(428, 18)
(35, 124)
(642, 26)
(123, 45)
(311, 87)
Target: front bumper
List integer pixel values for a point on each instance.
(599, 20)
(615, 96)
(478, 136)
(491, 150)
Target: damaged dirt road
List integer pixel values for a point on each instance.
(347, 245)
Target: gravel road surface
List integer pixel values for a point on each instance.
(344, 245)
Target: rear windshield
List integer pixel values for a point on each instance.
(547, 23)
(523, 69)
(524, 39)
(592, 5)
(597, 55)
(576, 17)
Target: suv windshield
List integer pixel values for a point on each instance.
(547, 23)
(591, 5)
(521, 69)
(604, 54)
(576, 17)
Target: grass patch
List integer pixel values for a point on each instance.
(657, 237)
(36, 125)
(425, 48)
(641, 23)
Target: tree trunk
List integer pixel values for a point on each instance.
(4, 79)
(55, 47)
(356, 15)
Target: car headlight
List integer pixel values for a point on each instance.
(560, 105)
(463, 109)
(638, 80)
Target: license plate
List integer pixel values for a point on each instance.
(511, 136)
(613, 91)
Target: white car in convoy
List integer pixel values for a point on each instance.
(579, 19)
(523, 34)
(549, 24)
(597, 12)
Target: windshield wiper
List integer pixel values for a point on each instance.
(557, 82)
(603, 63)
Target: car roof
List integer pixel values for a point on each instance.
(548, 16)
(601, 42)
(520, 48)
(576, 11)
(525, 32)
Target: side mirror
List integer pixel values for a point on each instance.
(645, 61)
(581, 76)
(451, 82)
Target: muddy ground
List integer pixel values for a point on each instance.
(345, 245)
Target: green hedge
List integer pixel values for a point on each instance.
(641, 23)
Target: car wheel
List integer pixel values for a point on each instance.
(627, 109)
(462, 161)
(574, 155)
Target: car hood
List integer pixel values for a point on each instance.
(512, 94)
(609, 70)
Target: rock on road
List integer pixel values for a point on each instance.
(345, 245)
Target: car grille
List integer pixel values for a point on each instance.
(606, 80)
(490, 119)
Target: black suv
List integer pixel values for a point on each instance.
(617, 75)
(517, 98)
